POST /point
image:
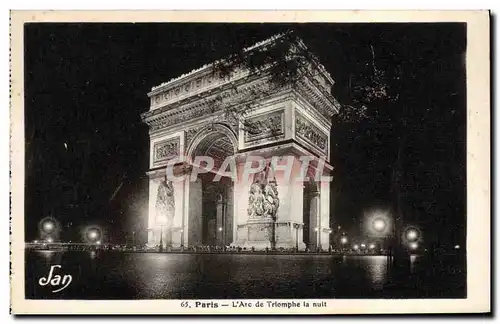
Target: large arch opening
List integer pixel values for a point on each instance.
(214, 212)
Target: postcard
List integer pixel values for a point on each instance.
(231, 162)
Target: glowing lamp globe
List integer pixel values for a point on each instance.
(48, 226)
(379, 225)
(411, 235)
(93, 234)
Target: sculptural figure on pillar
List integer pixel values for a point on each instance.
(263, 201)
(165, 208)
(272, 201)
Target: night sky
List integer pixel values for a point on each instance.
(87, 149)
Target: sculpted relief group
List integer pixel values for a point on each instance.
(215, 181)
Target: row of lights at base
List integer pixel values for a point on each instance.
(51, 240)
(49, 228)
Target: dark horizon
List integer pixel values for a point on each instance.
(87, 150)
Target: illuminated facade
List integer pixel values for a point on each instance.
(204, 113)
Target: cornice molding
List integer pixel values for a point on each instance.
(232, 97)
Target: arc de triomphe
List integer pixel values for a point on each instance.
(189, 117)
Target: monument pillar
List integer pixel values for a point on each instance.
(314, 221)
(220, 228)
(194, 221)
(324, 214)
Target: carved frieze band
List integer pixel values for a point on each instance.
(212, 105)
(166, 150)
(268, 126)
(187, 87)
(310, 133)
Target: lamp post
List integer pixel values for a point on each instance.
(93, 235)
(343, 240)
(412, 237)
(380, 227)
(49, 227)
(296, 226)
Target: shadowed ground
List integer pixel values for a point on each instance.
(112, 275)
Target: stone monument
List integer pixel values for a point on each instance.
(188, 118)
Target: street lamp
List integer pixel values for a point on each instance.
(411, 234)
(296, 226)
(372, 246)
(412, 237)
(343, 240)
(50, 239)
(379, 224)
(93, 234)
(48, 226)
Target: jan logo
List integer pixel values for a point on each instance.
(55, 280)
